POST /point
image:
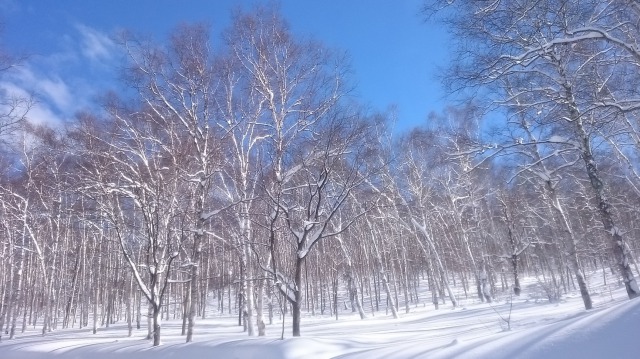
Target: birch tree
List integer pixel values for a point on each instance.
(177, 84)
(556, 59)
(134, 181)
(314, 196)
(36, 202)
(296, 87)
(14, 107)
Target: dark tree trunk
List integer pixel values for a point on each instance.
(156, 325)
(620, 251)
(516, 279)
(296, 305)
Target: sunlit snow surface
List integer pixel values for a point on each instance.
(474, 330)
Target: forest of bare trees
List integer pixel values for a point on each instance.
(246, 179)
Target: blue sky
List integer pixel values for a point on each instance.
(394, 54)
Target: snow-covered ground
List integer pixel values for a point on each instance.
(474, 330)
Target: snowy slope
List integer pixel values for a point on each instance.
(608, 333)
(539, 330)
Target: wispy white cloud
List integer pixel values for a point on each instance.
(96, 45)
(50, 88)
(57, 91)
(67, 80)
(41, 113)
(55, 100)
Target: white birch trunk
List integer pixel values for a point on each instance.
(422, 229)
(383, 277)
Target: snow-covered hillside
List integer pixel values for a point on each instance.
(539, 329)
